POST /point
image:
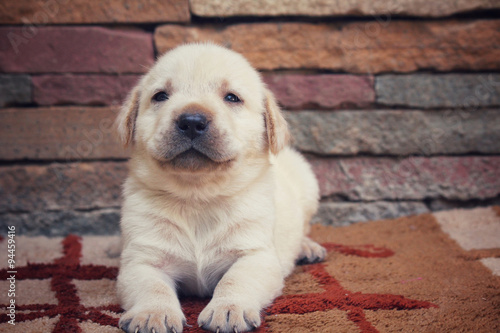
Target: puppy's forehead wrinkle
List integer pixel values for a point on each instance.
(198, 66)
(158, 82)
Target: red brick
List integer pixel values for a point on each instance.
(358, 47)
(75, 50)
(82, 89)
(60, 133)
(69, 186)
(322, 91)
(414, 178)
(93, 11)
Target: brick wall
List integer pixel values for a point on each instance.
(395, 103)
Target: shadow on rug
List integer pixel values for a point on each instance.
(427, 273)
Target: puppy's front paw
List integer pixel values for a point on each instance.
(311, 252)
(152, 320)
(224, 316)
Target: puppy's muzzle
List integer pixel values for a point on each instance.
(193, 142)
(192, 125)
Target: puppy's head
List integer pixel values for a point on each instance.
(201, 108)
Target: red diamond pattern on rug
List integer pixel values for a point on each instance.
(61, 273)
(71, 312)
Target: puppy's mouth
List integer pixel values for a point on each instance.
(194, 159)
(194, 156)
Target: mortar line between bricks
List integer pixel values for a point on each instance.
(326, 71)
(332, 198)
(439, 73)
(371, 108)
(489, 14)
(47, 162)
(89, 210)
(76, 73)
(83, 74)
(395, 157)
(284, 71)
(403, 107)
(387, 107)
(311, 154)
(427, 202)
(335, 198)
(79, 210)
(149, 27)
(279, 71)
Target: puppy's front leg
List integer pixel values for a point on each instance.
(150, 299)
(250, 284)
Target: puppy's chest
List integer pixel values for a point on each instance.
(203, 274)
(200, 272)
(205, 244)
(199, 259)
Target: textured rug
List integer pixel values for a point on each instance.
(428, 273)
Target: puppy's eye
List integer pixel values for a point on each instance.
(160, 96)
(232, 98)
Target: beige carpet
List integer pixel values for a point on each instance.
(428, 273)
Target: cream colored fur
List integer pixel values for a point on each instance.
(229, 224)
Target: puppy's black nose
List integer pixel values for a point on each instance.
(192, 125)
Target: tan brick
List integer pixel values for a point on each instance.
(222, 8)
(93, 11)
(61, 133)
(360, 47)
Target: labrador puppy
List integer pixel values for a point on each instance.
(216, 203)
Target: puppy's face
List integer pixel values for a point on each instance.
(200, 109)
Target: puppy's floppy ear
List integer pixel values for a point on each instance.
(278, 134)
(125, 122)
